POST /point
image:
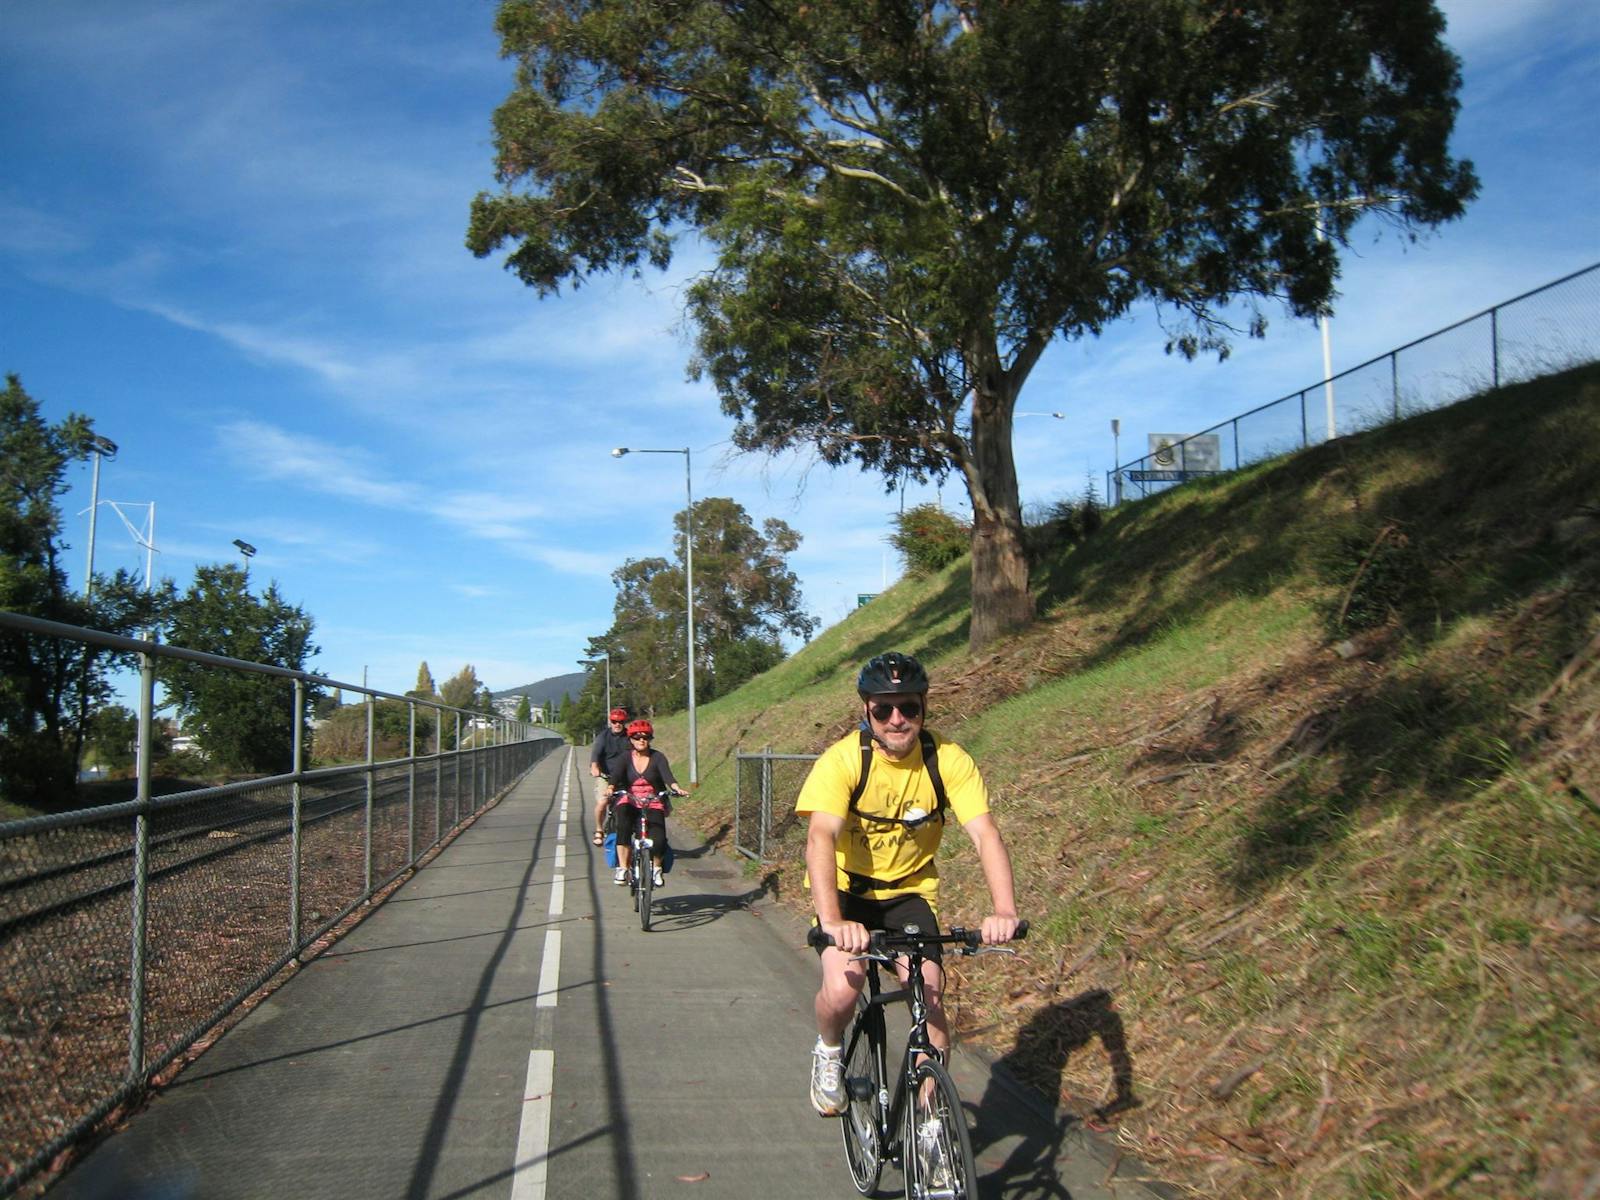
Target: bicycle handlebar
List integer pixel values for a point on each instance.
(885, 940)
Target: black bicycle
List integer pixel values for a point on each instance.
(641, 877)
(922, 1126)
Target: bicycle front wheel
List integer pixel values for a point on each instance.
(938, 1148)
(633, 879)
(647, 887)
(863, 1083)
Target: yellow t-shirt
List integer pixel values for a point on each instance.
(885, 850)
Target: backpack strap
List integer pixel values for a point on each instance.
(930, 760)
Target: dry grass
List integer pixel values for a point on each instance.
(1316, 908)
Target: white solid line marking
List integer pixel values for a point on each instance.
(530, 1172)
(549, 970)
(558, 895)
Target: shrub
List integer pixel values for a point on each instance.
(929, 538)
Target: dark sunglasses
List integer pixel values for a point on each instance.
(640, 737)
(909, 709)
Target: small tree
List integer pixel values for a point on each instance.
(241, 720)
(929, 539)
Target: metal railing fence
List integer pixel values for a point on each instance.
(1550, 329)
(128, 931)
(764, 822)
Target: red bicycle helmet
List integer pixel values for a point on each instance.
(619, 714)
(641, 727)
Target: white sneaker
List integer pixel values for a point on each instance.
(827, 1079)
(621, 876)
(655, 878)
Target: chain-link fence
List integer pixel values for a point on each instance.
(765, 826)
(129, 931)
(1549, 329)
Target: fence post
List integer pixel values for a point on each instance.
(738, 795)
(1303, 433)
(296, 800)
(141, 869)
(438, 774)
(1394, 381)
(766, 799)
(1494, 342)
(411, 782)
(372, 787)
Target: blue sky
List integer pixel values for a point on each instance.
(233, 235)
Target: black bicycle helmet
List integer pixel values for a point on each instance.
(892, 672)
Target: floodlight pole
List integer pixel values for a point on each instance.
(688, 559)
(100, 447)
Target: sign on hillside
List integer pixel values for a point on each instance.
(1175, 457)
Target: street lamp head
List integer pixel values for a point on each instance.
(619, 452)
(102, 445)
(245, 548)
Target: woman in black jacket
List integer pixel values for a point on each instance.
(644, 774)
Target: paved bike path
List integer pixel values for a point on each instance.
(502, 1027)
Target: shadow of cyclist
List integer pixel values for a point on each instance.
(1032, 1167)
(672, 910)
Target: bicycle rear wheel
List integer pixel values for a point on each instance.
(863, 1082)
(647, 887)
(938, 1148)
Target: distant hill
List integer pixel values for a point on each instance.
(552, 689)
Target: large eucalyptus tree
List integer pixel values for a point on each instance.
(909, 200)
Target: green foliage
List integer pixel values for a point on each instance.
(112, 738)
(746, 597)
(241, 720)
(929, 538)
(423, 689)
(1064, 523)
(909, 202)
(49, 686)
(524, 709)
(343, 737)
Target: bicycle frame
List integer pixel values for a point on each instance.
(890, 1110)
(883, 1133)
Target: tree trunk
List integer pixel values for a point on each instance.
(1001, 601)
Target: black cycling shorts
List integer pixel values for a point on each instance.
(655, 824)
(893, 914)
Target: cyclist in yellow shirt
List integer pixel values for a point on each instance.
(877, 801)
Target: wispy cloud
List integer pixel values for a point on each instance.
(273, 453)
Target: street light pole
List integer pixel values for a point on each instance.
(247, 552)
(688, 559)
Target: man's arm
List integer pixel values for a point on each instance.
(821, 838)
(1001, 924)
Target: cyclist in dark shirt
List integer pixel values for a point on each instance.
(605, 757)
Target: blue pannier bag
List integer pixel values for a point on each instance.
(611, 850)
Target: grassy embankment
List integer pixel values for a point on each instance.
(1299, 770)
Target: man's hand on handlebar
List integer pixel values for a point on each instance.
(998, 930)
(850, 936)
